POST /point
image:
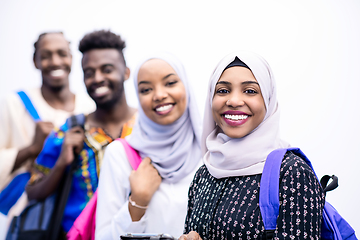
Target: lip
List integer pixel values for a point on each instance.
(235, 122)
(165, 111)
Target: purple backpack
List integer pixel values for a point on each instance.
(333, 225)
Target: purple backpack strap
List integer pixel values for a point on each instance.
(333, 225)
(132, 154)
(269, 185)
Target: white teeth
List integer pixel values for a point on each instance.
(164, 108)
(101, 90)
(57, 73)
(236, 117)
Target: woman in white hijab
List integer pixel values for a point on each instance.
(153, 198)
(241, 127)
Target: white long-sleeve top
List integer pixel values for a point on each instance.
(166, 211)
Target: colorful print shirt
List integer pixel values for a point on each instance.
(228, 208)
(86, 176)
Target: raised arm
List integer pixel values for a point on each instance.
(56, 157)
(113, 214)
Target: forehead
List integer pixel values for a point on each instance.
(237, 74)
(99, 57)
(53, 41)
(155, 68)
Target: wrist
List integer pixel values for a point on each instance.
(139, 199)
(134, 204)
(61, 162)
(33, 150)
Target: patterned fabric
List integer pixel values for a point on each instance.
(86, 176)
(228, 208)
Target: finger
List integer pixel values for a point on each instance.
(183, 237)
(147, 160)
(77, 129)
(193, 235)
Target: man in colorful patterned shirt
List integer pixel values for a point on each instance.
(105, 71)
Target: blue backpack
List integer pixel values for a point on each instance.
(333, 225)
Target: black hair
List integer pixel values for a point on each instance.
(36, 44)
(237, 62)
(102, 39)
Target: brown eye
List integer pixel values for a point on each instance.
(88, 74)
(107, 70)
(222, 91)
(144, 90)
(171, 83)
(250, 91)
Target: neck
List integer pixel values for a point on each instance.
(59, 98)
(118, 113)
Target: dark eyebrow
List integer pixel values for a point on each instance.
(223, 82)
(148, 82)
(143, 82)
(243, 83)
(107, 65)
(250, 82)
(170, 74)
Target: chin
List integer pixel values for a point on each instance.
(109, 104)
(57, 88)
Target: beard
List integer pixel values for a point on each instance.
(111, 103)
(56, 89)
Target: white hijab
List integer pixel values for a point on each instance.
(225, 156)
(174, 149)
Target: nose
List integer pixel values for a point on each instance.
(56, 60)
(159, 94)
(98, 76)
(235, 100)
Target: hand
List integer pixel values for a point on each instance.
(73, 143)
(144, 182)
(190, 236)
(42, 130)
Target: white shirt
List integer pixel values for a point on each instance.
(166, 211)
(17, 128)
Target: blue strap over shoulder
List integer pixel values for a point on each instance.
(334, 226)
(29, 106)
(269, 185)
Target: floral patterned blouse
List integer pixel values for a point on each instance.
(228, 208)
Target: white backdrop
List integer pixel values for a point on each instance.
(312, 46)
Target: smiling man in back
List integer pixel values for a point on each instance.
(22, 137)
(105, 71)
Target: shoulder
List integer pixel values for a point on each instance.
(13, 111)
(115, 156)
(201, 174)
(12, 100)
(293, 164)
(83, 103)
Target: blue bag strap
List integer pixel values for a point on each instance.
(269, 185)
(29, 106)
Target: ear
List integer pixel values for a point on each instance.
(36, 66)
(127, 73)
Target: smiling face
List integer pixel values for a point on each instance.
(238, 106)
(104, 76)
(53, 59)
(162, 94)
